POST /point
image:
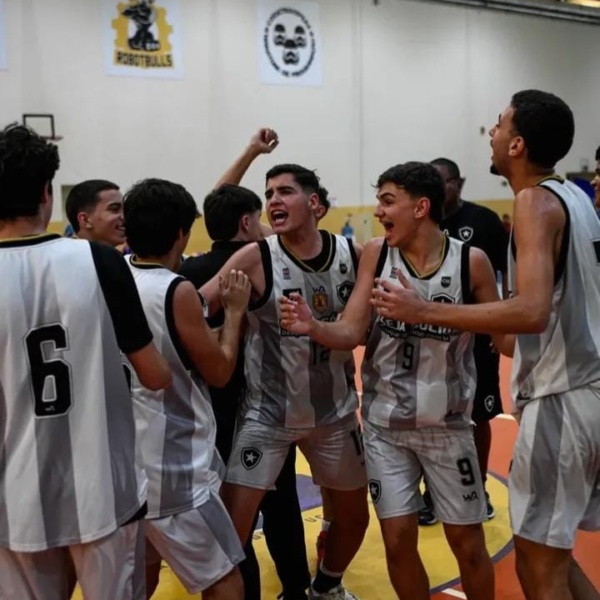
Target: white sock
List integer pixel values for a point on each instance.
(325, 525)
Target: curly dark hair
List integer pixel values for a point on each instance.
(419, 179)
(546, 124)
(28, 164)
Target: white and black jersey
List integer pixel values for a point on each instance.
(67, 434)
(566, 356)
(175, 426)
(417, 376)
(294, 382)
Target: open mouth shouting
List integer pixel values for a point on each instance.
(278, 218)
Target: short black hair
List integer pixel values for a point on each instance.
(419, 180)
(449, 165)
(83, 197)
(27, 164)
(156, 211)
(546, 124)
(598, 153)
(308, 180)
(224, 207)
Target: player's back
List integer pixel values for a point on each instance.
(566, 355)
(176, 427)
(67, 468)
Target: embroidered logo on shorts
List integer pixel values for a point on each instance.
(489, 403)
(375, 490)
(250, 458)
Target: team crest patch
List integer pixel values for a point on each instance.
(465, 233)
(286, 273)
(250, 458)
(489, 403)
(393, 271)
(446, 281)
(343, 268)
(375, 490)
(344, 290)
(320, 301)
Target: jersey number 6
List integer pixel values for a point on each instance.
(50, 379)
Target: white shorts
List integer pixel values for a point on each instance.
(335, 454)
(397, 460)
(201, 545)
(110, 568)
(554, 482)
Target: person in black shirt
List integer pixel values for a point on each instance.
(232, 218)
(480, 227)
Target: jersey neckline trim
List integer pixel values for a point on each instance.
(145, 266)
(29, 240)
(429, 274)
(327, 253)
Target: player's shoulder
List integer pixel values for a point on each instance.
(375, 244)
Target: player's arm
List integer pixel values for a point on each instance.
(247, 259)
(485, 289)
(350, 330)
(264, 141)
(539, 220)
(129, 321)
(212, 355)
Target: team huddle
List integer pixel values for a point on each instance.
(151, 404)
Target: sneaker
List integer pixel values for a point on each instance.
(321, 540)
(491, 513)
(427, 517)
(337, 593)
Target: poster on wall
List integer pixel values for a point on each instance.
(142, 38)
(289, 43)
(2, 37)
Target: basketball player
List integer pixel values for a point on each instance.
(418, 382)
(186, 523)
(480, 227)
(95, 211)
(264, 141)
(299, 392)
(69, 488)
(232, 219)
(554, 276)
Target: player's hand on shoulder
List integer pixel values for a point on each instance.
(296, 316)
(235, 291)
(264, 141)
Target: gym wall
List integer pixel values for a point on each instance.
(402, 80)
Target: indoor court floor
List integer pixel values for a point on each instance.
(367, 575)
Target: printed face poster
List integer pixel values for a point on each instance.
(289, 43)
